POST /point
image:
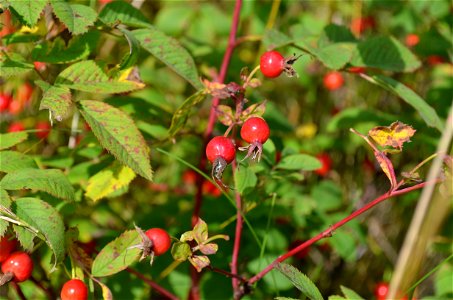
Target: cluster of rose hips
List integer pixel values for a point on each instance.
(221, 150)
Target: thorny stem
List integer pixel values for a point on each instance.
(328, 232)
(194, 292)
(153, 285)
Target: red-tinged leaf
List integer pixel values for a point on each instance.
(199, 262)
(200, 231)
(181, 251)
(209, 249)
(254, 110)
(187, 236)
(394, 135)
(225, 115)
(387, 167)
(216, 89)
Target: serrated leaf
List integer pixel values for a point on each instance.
(300, 281)
(209, 249)
(273, 38)
(428, 114)
(118, 134)
(170, 52)
(87, 76)
(350, 294)
(76, 17)
(131, 58)
(28, 10)
(181, 251)
(18, 37)
(46, 219)
(301, 162)
(394, 135)
(124, 13)
(225, 114)
(245, 179)
(116, 256)
(51, 181)
(57, 52)
(5, 201)
(334, 33)
(200, 231)
(25, 237)
(12, 160)
(199, 262)
(109, 180)
(385, 53)
(57, 99)
(182, 113)
(12, 64)
(8, 140)
(254, 110)
(3, 227)
(336, 56)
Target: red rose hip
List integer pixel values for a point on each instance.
(16, 126)
(5, 100)
(19, 265)
(160, 239)
(7, 245)
(43, 128)
(255, 129)
(272, 64)
(220, 146)
(333, 80)
(74, 289)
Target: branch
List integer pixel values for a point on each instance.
(153, 285)
(328, 232)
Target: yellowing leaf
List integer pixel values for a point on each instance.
(109, 180)
(387, 167)
(394, 135)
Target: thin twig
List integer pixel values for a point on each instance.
(153, 285)
(18, 290)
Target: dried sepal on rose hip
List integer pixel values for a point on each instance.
(220, 151)
(154, 242)
(254, 131)
(272, 64)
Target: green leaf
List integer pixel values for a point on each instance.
(87, 76)
(124, 13)
(57, 52)
(117, 255)
(273, 38)
(76, 17)
(182, 113)
(245, 179)
(12, 161)
(109, 180)
(336, 297)
(181, 251)
(3, 227)
(328, 195)
(25, 237)
(57, 99)
(5, 201)
(8, 140)
(285, 298)
(336, 56)
(385, 53)
(18, 37)
(170, 52)
(12, 64)
(51, 181)
(334, 33)
(131, 58)
(301, 162)
(46, 219)
(300, 281)
(118, 134)
(28, 10)
(345, 244)
(350, 294)
(428, 114)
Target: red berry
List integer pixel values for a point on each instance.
(20, 264)
(272, 64)
(5, 101)
(435, 60)
(333, 80)
(39, 66)
(412, 40)
(15, 107)
(7, 245)
(161, 240)
(357, 70)
(326, 162)
(44, 129)
(360, 25)
(74, 289)
(189, 177)
(16, 126)
(255, 129)
(220, 146)
(209, 188)
(24, 92)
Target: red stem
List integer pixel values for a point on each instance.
(194, 292)
(329, 232)
(237, 242)
(18, 290)
(153, 285)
